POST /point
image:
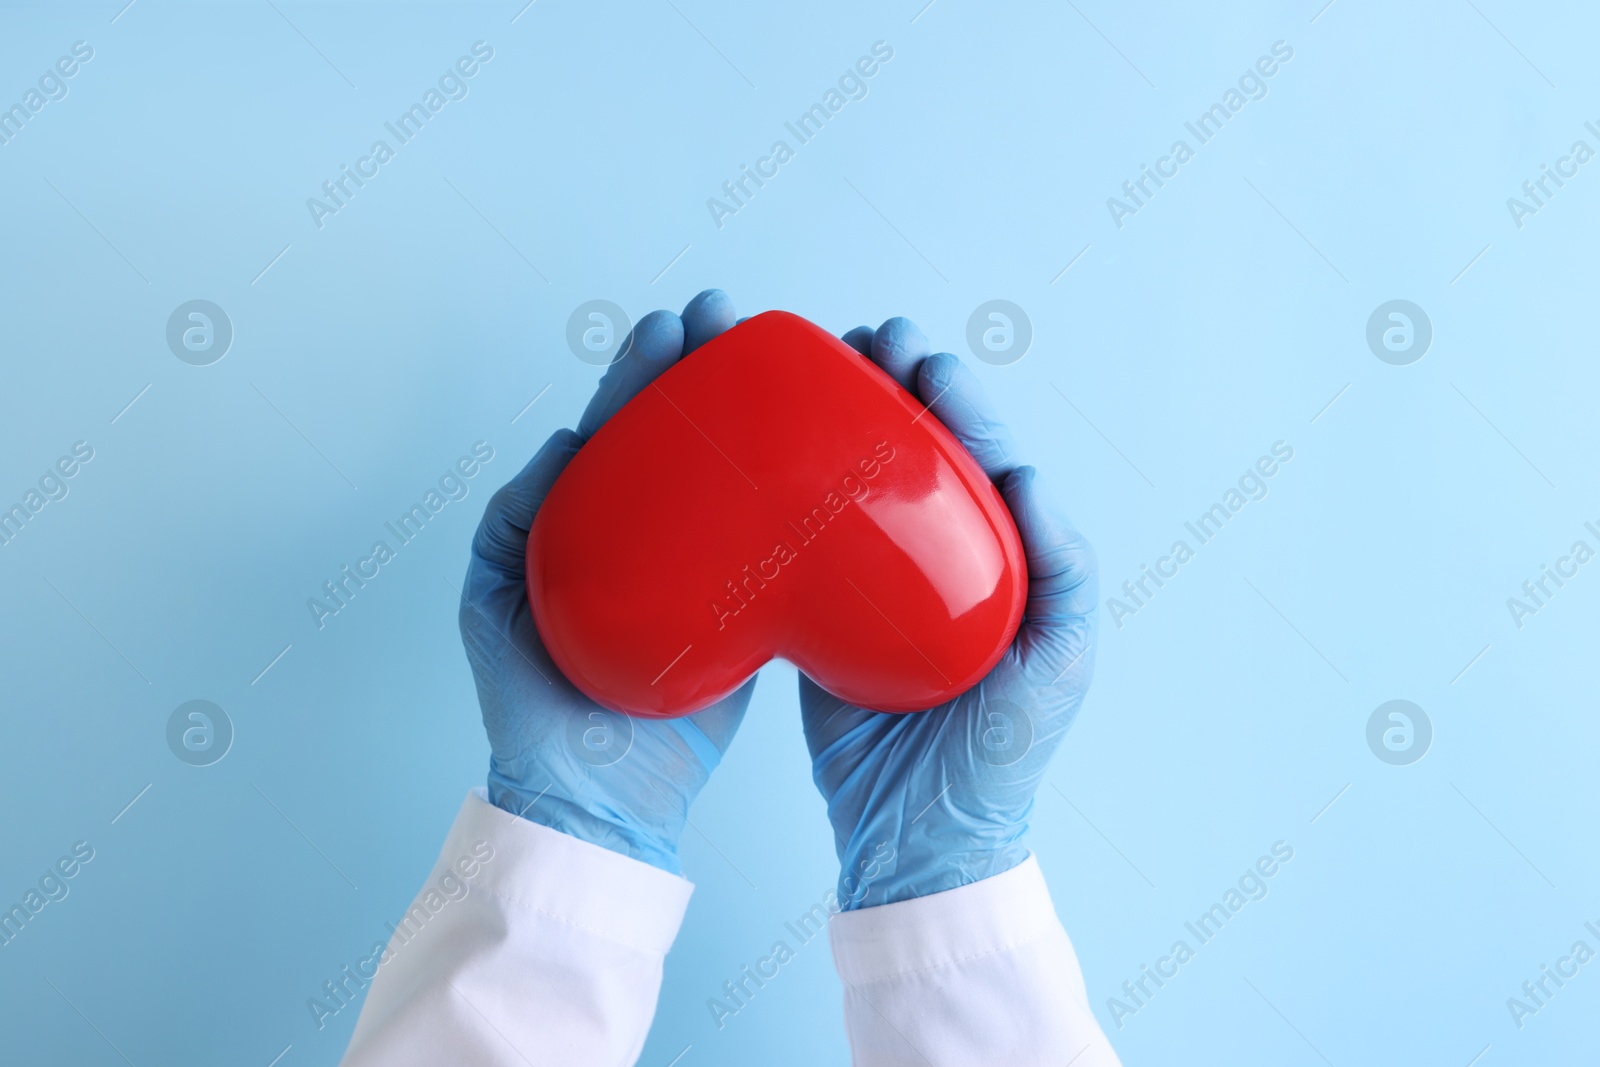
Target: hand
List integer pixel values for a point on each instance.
(937, 799)
(556, 757)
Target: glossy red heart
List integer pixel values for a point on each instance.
(774, 494)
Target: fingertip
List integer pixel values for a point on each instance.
(564, 440)
(859, 339)
(655, 338)
(653, 345)
(703, 298)
(707, 315)
(899, 347)
(898, 328)
(957, 399)
(937, 374)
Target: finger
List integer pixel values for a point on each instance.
(899, 348)
(825, 718)
(652, 346)
(502, 537)
(957, 399)
(1058, 623)
(707, 315)
(860, 339)
(718, 723)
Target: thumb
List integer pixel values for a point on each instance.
(1059, 621)
(716, 725)
(956, 398)
(826, 720)
(502, 537)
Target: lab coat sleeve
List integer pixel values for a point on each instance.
(552, 956)
(975, 976)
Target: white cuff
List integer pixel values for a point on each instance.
(594, 889)
(971, 977)
(526, 948)
(994, 915)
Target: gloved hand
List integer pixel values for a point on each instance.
(937, 799)
(556, 757)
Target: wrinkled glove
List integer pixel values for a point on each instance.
(937, 799)
(556, 757)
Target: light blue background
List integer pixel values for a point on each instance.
(1220, 319)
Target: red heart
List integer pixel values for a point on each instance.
(774, 494)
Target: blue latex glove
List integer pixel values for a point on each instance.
(556, 757)
(930, 801)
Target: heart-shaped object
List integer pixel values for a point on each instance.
(774, 494)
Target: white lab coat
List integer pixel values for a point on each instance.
(528, 947)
